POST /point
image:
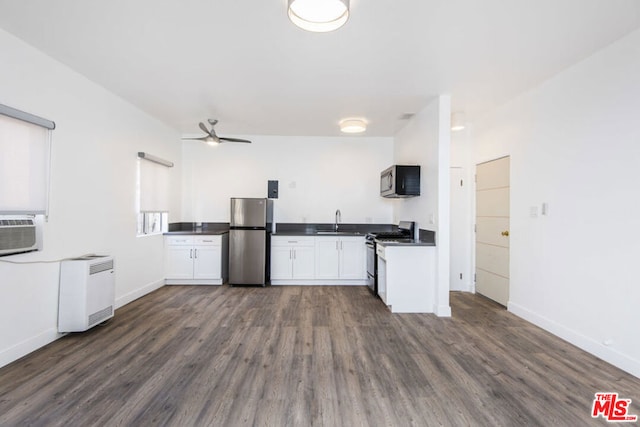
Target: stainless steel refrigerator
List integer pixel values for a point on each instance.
(249, 241)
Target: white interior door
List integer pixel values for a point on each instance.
(492, 229)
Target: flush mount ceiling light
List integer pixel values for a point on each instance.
(353, 125)
(457, 121)
(319, 16)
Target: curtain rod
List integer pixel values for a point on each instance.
(154, 159)
(26, 117)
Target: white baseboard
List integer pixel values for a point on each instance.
(587, 344)
(17, 351)
(443, 310)
(317, 282)
(140, 292)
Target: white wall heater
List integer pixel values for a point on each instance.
(87, 292)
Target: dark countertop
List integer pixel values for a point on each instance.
(427, 238)
(324, 229)
(198, 228)
(318, 233)
(197, 231)
(408, 242)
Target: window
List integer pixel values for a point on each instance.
(153, 222)
(153, 194)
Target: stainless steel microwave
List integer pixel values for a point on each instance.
(400, 181)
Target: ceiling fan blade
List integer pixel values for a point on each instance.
(204, 128)
(196, 139)
(222, 139)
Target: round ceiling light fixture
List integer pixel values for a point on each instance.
(353, 125)
(319, 16)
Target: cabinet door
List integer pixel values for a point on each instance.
(353, 258)
(382, 280)
(179, 262)
(304, 262)
(207, 262)
(281, 258)
(327, 258)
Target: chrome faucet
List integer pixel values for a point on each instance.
(338, 218)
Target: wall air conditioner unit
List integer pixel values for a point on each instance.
(18, 234)
(87, 292)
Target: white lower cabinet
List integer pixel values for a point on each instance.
(341, 258)
(318, 260)
(292, 258)
(406, 278)
(196, 259)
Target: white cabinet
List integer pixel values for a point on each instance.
(207, 261)
(292, 257)
(327, 258)
(406, 278)
(353, 258)
(318, 260)
(341, 257)
(196, 259)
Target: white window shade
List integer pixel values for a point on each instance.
(24, 166)
(154, 186)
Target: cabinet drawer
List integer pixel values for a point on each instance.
(179, 240)
(293, 240)
(208, 240)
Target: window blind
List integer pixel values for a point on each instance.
(24, 162)
(154, 186)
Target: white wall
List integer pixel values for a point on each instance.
(316, 176)
(93, 199)
(574, 143)
(425, 141)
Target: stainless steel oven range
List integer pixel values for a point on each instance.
(405, 230)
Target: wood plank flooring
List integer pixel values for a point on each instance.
(300, 356)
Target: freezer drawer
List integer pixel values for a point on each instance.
(250, 212)
(247, 257)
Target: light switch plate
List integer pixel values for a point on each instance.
(533, 212)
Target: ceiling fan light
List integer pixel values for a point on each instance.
(319, 16)
(353, 126)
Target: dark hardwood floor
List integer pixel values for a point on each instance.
(298, 356)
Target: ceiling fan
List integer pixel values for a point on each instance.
(212, 138)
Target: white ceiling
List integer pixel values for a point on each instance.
(243, 62)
